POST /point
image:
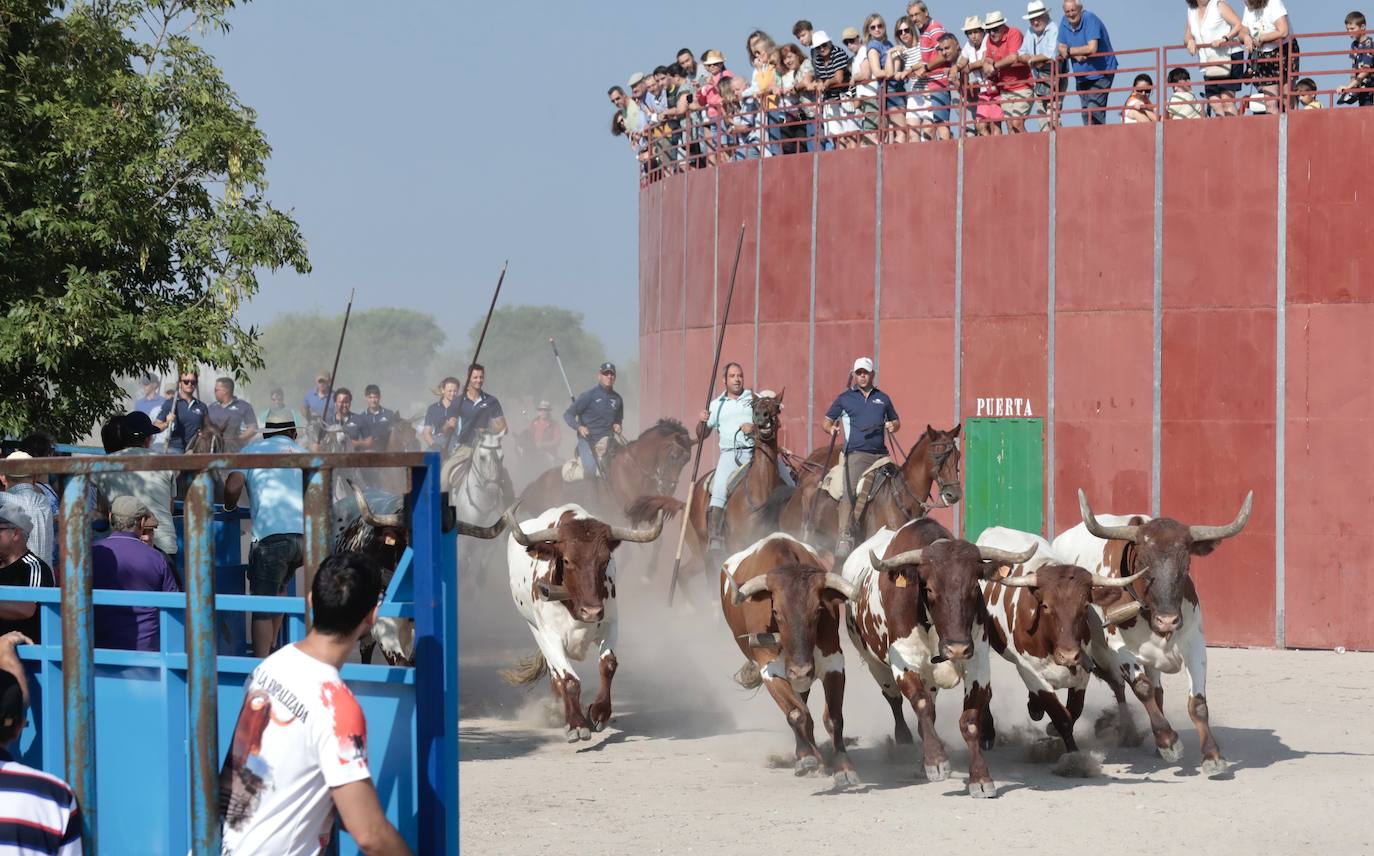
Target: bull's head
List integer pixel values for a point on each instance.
(1062, 594)
(580, 550)
(948, 574)
(767, 416)
(799, 595)
(1162, 550)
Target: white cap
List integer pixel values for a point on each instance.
(864, 363)
(1034, 9)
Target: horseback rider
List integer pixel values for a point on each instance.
(184, 414)
(346, 428)
(478, 413)
(732, 415)
(374, 424)
(596, 416)
(865, 412)
(441, 419)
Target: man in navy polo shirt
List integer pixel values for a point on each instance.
(185, 414)
(374, 423)
(1082, 37)
(596, 415)
(865, 412)
(234, 416)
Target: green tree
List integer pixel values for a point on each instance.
(132, 209)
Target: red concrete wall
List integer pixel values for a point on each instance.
(1219, 339)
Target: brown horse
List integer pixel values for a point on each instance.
(752, 510)
(812, 515)
(648, 466)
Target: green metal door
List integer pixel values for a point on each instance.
(1004, 479)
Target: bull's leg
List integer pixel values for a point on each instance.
(934, 758)
(799, 718)
(1144, 683)
(1127, 735)
(831, 671)
(1062, 719)
(976, 700)
(901, 733)
(600, 711)
(1076, 699)
(568, 687)
(1195, 661)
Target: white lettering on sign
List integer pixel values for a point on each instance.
(1004, 407)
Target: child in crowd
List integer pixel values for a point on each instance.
(1361, 60)
(1138, 107)
(1306, 90)
(1183, 104)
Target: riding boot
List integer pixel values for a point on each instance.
(844, 541)
(715, 532)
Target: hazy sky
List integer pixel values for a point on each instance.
(422, 143)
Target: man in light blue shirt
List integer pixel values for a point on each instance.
(277, 501)
(732, 415)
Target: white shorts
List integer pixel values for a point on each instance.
(839, 119)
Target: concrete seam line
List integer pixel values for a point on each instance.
(958, 291)
(715, 259)
(1157, 322)
(811, 312)
(682, 318)
(877, 251)
(1049, 338)
(758, 251)
(658, 320)
(1281, 390)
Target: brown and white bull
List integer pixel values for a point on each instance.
(562, 579)
(1038, 621)
(783, 610)
(1154, 625)
(917, 618)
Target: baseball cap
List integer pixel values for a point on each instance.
(11, 700)
(129, 506)
(135, 426)
(1034, 9)
(13, 514)
(607, 368)
(849, 33)
(863, 364)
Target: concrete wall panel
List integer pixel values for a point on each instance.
(785, 263)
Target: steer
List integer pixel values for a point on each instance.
(782, 608)
(1154, 627)
(918, 620)
(563, 582)
(1039, 623)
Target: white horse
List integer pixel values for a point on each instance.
(475, 491)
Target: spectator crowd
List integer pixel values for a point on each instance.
(920, 81)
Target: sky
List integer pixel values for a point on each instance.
(423, 143)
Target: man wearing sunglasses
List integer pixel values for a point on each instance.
(867, 415)
(185, 414)
(596, 416)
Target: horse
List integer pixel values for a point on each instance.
(474, 491)
(812, 514)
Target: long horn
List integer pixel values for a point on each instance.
(910, 557)
(1218, 533)
(1117, 582)
(1019, 580)
(1005, 557)
(376, 521)
(526, 539)
(841, 585)
(1110, 533)
(486, 533)
(641, 536)
(749, 589)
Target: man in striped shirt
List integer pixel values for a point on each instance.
(19, 567)
(38, 812)
(930, 81)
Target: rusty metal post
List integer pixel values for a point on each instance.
(201, 666)
(78, 654)
(319, 525)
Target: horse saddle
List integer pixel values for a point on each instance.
(574, 471)
(833, 482)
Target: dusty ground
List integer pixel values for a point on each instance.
(691, 763)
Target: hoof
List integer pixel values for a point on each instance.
(1173, 752)
(573, 736)
(986, 741)
(598, 722)
(806, 765)
(847, 779)
(982, 790)
(598, 725)
(937, 772)
(1214, 767)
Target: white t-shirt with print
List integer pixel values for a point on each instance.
(300, 732)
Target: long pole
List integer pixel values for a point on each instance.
(710, 388)
(558, 358)
(477, 352)
(329, 396)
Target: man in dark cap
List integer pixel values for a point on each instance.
(596, 415)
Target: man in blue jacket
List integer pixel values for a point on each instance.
(596, 415)
(866, 413)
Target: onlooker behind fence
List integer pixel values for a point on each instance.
(123, 561)
(1361, 60)
(232, 415)
(299, 752)
(184, 415)
(1183, 104)
(831, 65)
(980, 93)
(153, 488)
(39, 501)
(277, 411)
(1266, 21)
(1213, 27)
(20, 567)
(930, 79)
(1007, 62)
(1306, 91)
(37, 444)
(863, 102)
(875, 48)
(1139, 108)
(796, 111)
(278, 511)
(1083, 38)
(1041, 44)
(39, 813)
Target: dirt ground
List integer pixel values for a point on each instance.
(693, 764)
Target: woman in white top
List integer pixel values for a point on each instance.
(1213, 27)
(1266, 21)
(900, 60)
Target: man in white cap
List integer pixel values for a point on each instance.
(867, 414)
(1041, 49)
(20, 567)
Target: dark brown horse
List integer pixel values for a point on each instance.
(812, 515)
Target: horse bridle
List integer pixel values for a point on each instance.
(945, 451)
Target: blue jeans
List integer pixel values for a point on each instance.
(730, 461)
(1092, 91)
(585, 451)
(271, 562)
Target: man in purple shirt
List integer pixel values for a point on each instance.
(125, 561)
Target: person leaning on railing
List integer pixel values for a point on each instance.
(1211, 36)
(20, 567)
(1361, 61)
(1085, 42)
(1267, 23)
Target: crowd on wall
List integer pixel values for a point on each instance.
(920, 81)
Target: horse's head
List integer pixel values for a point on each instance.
(936, 458)
(768, 416)
(210, 439)
(661, 452)
(403, 437)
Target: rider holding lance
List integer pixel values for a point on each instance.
(732, 415)
(478, 412)
(866, 412)
(596, 415)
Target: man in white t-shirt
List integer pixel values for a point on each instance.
(299, 752)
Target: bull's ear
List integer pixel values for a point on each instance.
(995, 570)
(1105, 597)
(1202, 548)
(832, 598)
(542, 552)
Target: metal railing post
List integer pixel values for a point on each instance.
(78, 654)
(201, 666)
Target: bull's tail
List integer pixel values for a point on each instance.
(526, 670)
(645, 508)
(749, 677)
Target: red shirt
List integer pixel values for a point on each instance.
(1009, 77)
(929, 43)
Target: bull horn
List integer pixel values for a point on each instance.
(486, 533)
(1110, 533)
(749, 589)
(841, 585)
(376, 521)
(1122, 614)
(1117, 582)
(640, 536)
(1019, 580)
(1006, 557)
(910, 557)
(523, 538)
(1219, 533)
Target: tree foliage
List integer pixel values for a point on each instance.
(132, 208)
